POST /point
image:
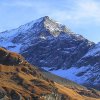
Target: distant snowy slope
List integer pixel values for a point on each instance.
(86, 71)
(95, 51)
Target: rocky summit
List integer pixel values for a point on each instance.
(47, 44)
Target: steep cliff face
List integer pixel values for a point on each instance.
(21, 81)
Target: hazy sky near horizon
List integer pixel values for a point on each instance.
(81, 16)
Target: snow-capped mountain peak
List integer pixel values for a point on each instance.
(41, 29)
(43, 23)
(46, 43)
(46, 23)
(54, 27)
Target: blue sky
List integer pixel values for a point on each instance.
(81, 16)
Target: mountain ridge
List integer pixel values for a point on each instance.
(56, 48)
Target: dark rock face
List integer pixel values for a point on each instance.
(60, 52)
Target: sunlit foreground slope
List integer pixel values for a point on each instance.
(21, 81)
